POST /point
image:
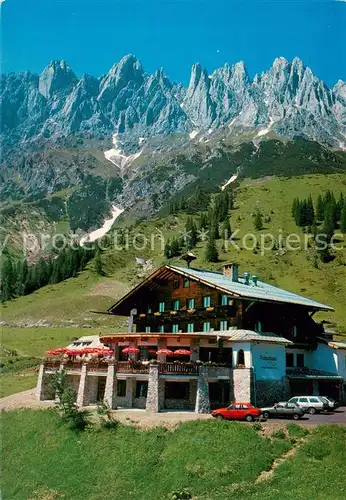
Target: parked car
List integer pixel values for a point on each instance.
(237, 411)
(310, 404)
(332, 404)
(291, 410)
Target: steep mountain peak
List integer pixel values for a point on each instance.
(55, 77)
(280, 62)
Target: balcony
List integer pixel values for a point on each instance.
(52, 364)
(131, 367)
(97, 367)
(178, 368)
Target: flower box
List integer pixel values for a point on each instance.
(143, 315)
(210, 308)
(157, 313)
(173, 313)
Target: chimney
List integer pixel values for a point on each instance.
(247, 278)
(231, 271)
(254, 279)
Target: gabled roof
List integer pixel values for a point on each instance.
(260, 292)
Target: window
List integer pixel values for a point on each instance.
(147, 329)
(161, 328)
(150, 309)
(175, 284)
(314, 400)
(186, 283)
(175, 328)
(141, 388)
(223, 325)
(206, 301)
(190, 303)
(121, 388)
(177, 390)
(294, 400)
(300, 360)
(161, 307)
(224, 300)
(303, 400)
(240, 357)
(206, 326)
(190, 327)
(289, 360)
(244, 407)
(176, 305)
(259, 326)
(294, 331)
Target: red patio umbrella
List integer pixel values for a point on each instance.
(152, 351)
(52, 352)
(182, 352)
(130, 350)
(167, 352)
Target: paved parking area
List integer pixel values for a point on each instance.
(337, 417)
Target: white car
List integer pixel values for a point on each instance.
(310, 404)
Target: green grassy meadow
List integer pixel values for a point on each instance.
(43, 459)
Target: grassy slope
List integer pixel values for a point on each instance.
(69, 303)
(43, 459)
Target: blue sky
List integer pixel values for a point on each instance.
(93, 34)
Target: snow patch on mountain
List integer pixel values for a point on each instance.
(117, 157)
(193, 134)
(232, 179)
(107, 225)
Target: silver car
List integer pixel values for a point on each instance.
(310, 404)
(290, 410)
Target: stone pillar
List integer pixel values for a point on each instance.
(110, 396)
(242, 379)
(194, 349)
(155, 396)
(130, 386)
(82, 389)
(40, 389)
(202, 396)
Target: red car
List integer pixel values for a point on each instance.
(237, 411)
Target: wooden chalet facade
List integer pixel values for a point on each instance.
(199, 339)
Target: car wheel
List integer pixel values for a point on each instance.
(219, 417)
(265, 414)
(249, 418)
(312, 410)
(296, 416)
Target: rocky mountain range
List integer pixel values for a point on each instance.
(288, 99)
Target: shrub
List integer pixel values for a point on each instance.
(295, 431)
(279, 434)
(181, 495)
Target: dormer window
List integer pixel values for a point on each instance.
(161, 307)
(150, 310)
(186, 283)
(175, 284)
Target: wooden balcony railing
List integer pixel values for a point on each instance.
(178, 368)
(52, 364)
(73, 365)
(97, 367)
(128, 367)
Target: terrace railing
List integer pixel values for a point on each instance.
(177, 368)
(128, 367)
(52, 364)
(97, 367)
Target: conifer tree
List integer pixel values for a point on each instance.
(258, 221)
(320, 209)
(167, 249)
(211, 253)
(343, 219)
(8, 280)
(226, 230)
(98, 262)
